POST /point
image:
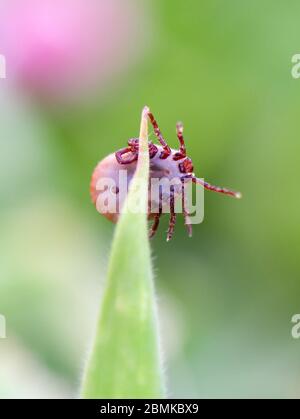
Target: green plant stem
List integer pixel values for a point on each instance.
(125, 360)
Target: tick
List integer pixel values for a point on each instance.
(164, 163)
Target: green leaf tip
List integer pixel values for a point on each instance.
(125, 359)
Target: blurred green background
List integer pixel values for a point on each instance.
(226, 296)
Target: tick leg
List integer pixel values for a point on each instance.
(156, 216)
(186, 216)
(172, 221)
(179, 130)
(154, 226)
(166, 149)
(119, 156)
(218, 189)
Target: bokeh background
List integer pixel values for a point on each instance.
(78, 74)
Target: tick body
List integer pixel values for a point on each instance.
(165, 163)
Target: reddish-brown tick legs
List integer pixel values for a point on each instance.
(119, 156)
(156, 216)
(133, 148)
(186, 217)
(182, 151)
(218, 189)
(154, 226)
(166, 149)
(172, 216)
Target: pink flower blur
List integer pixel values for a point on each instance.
(62, 48)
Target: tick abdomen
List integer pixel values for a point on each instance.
(164, 172)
